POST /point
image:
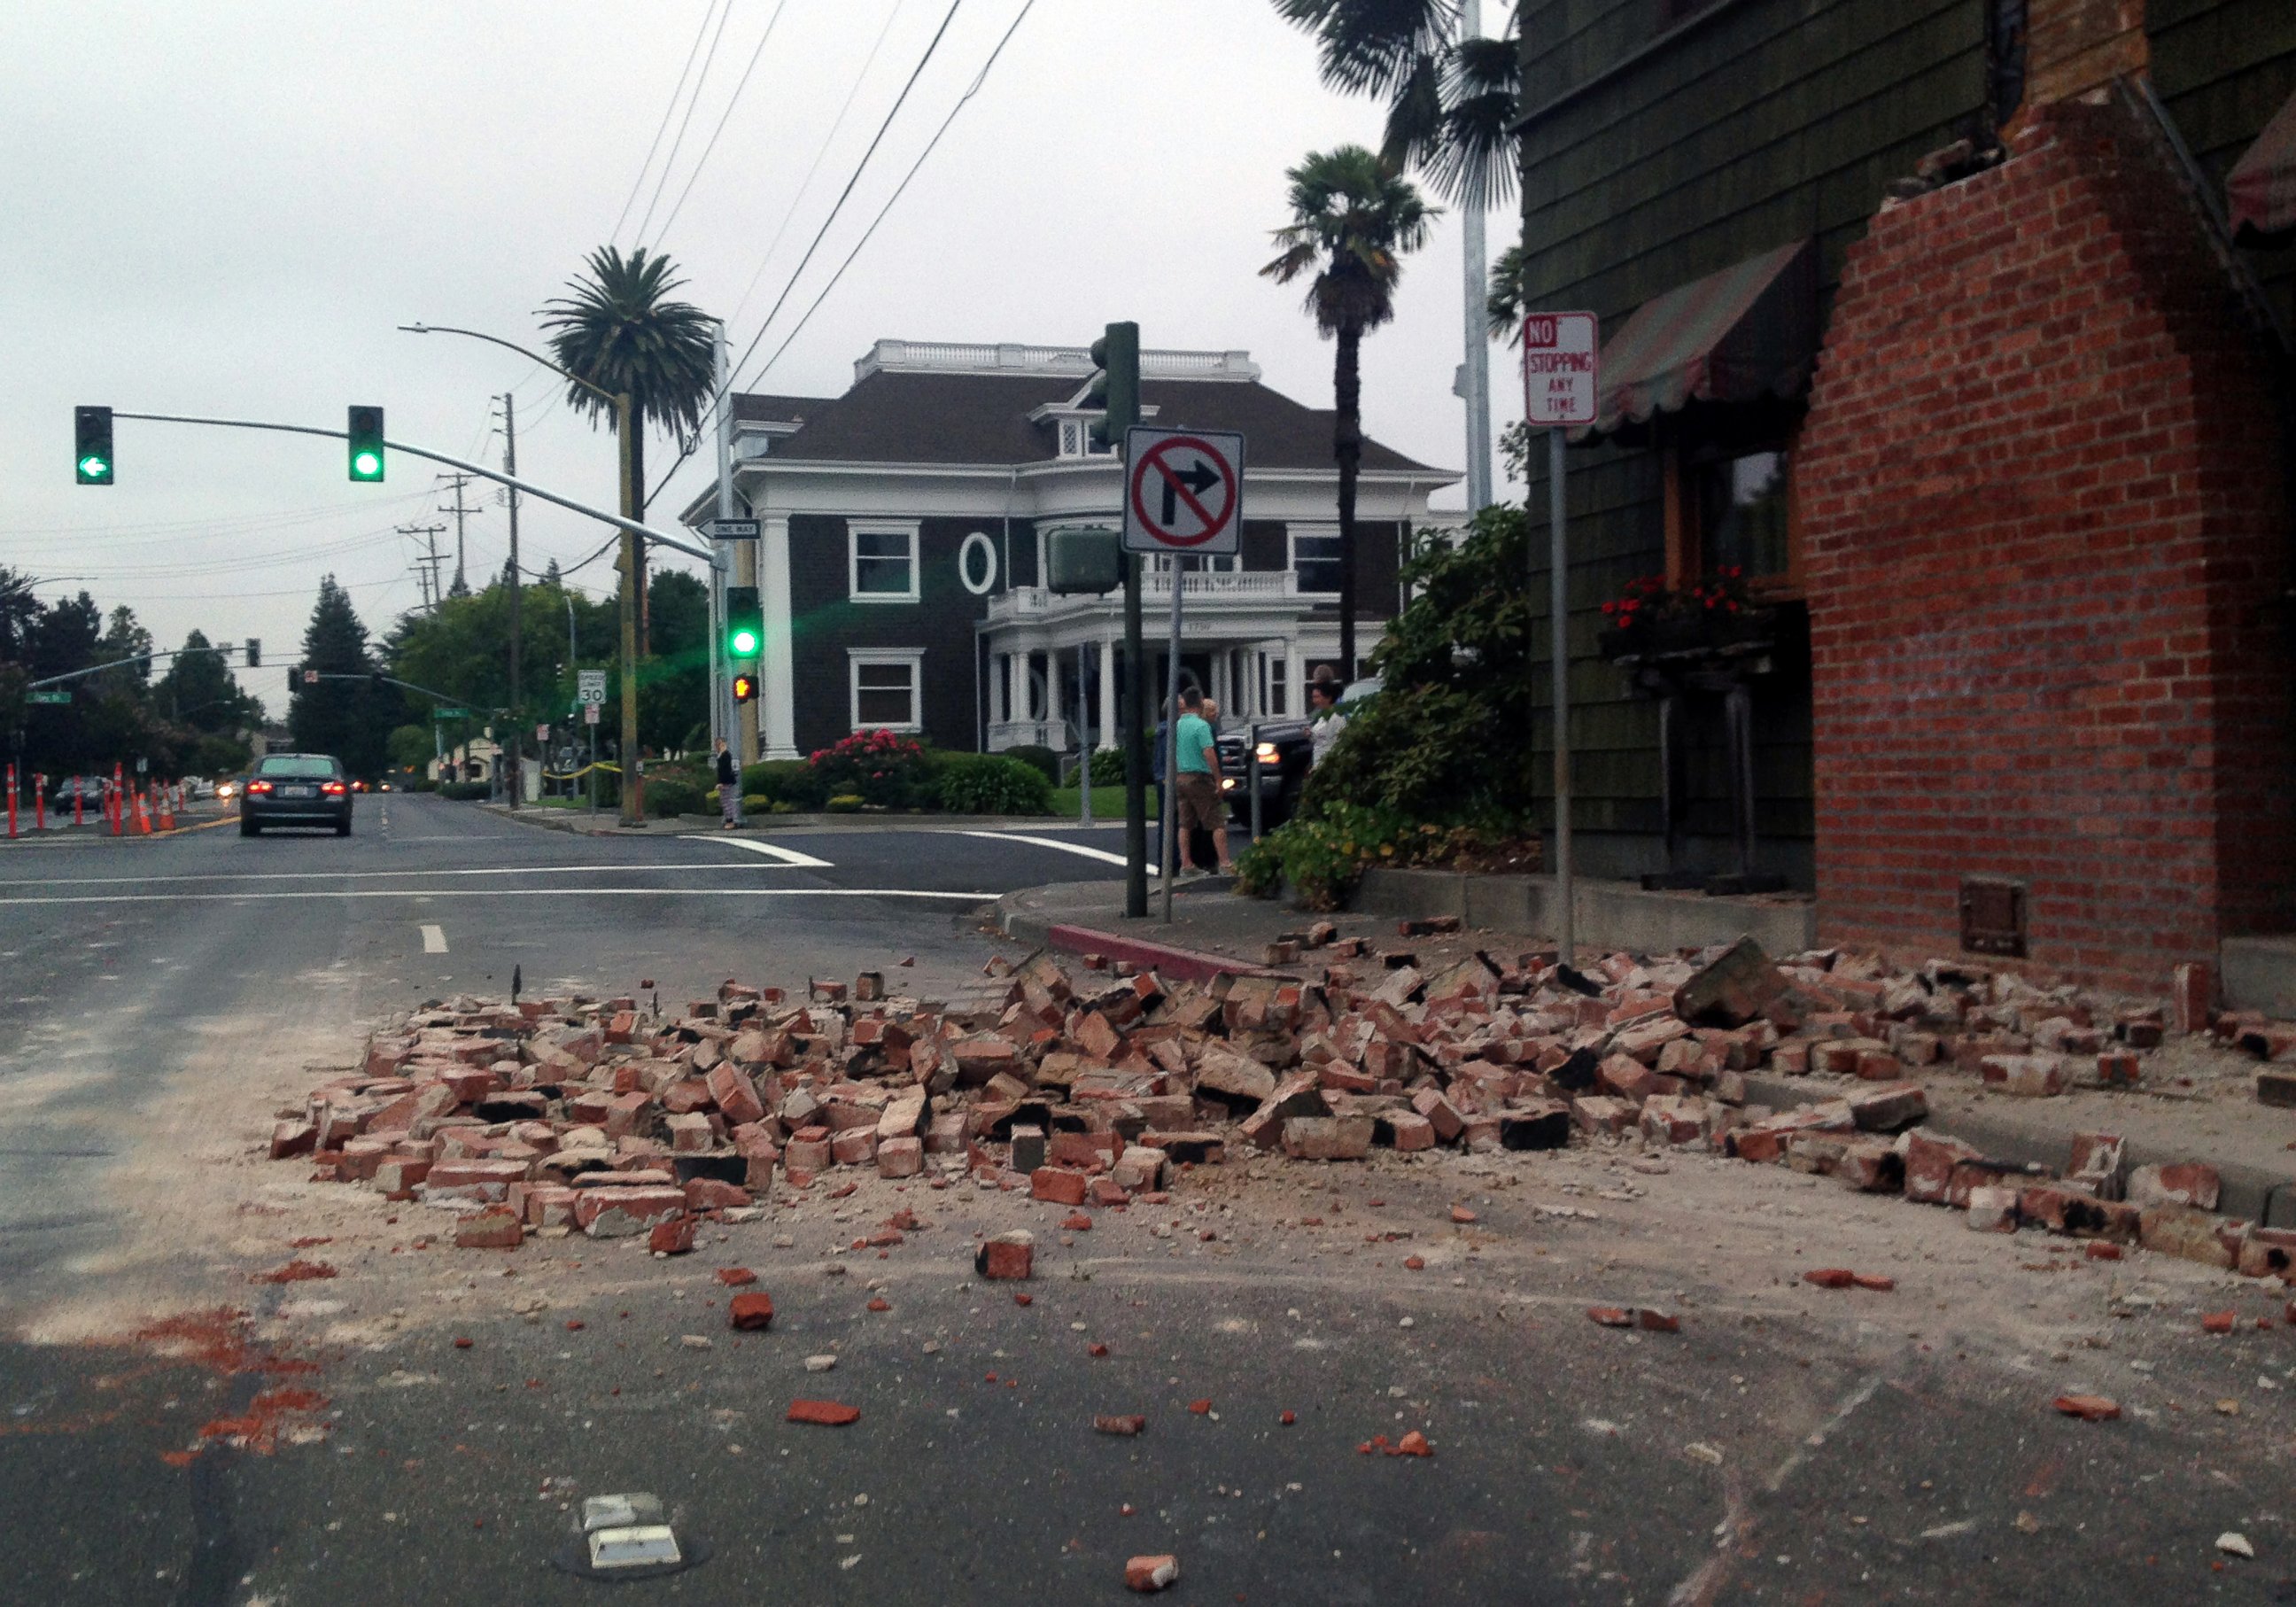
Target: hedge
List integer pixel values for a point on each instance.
(992, 784)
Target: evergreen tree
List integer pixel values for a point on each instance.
(200, 691)
(350, 719)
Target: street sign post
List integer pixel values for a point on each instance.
(1183, 494)
(1562, 362)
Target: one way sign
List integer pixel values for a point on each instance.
(1183, 491)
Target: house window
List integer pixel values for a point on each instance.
(1195, 564)
(1275, 671)
(885, 683)
(1072, 438)
(1316, 558)
(884, 563)
(1742, 514)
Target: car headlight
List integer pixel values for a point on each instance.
(1266, 753)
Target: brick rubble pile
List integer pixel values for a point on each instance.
(575, 1115)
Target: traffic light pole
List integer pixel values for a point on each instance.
(632, 790)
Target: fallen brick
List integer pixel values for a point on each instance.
(2187, 1183)
(2088, 1408)
(1127, 1426)
(496, 1227)
(827, 1413)
(750, 1311)
(1008, 1255)
(1149, 1574)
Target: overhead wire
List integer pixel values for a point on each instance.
(820, 234)
(806, 185)
(702, 160)
(668, 111)
(661, 179)
(889, 200)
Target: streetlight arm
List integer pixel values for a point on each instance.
(447, 329)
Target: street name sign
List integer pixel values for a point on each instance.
(450, 714)
(1560, 360)
(732, 529)
(1183, 491)
(58, 696)
(591, 685)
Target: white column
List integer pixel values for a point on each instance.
(1295, 681)
(779, 693)
(1053, 715)
(1108, 732)
(1221, 683)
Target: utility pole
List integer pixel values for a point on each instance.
(1475, 373)
(426, 568)
(631, 563)
(458, 481)
(517, 587)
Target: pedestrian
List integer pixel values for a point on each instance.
(1324, 720)
(1196, 784)
(729, 787)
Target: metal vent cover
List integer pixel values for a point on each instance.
(1993, 916)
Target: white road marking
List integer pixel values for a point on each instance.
(434, 941)
(515, 870)
(771, 850)
(514, 892)
(1077, 848)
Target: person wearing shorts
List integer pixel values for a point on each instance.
(1196, 787)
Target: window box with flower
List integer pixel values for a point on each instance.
(1716, 618)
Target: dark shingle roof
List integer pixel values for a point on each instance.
(912, 417)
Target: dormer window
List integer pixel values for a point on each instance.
(1076, 438)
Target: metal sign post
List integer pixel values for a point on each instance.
(1560, 360)
(1183, 493)
(1083, 736)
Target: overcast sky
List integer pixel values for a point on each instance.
(226, 209)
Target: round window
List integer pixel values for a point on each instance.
(976, 563)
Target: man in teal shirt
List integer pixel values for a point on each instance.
(1196, 787)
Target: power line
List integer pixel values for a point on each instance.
(668, 111)
(844, 195)
(702, 160)
(661, 179)
(896, 196)
(830, 139)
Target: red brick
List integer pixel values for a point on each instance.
(674, 1237)
(827, 1413)
(1058, 1184)
(1149, 1574)
(1009, 1255)
(750, 1311)
(612, 1213)
(496, 1227)
(736, 1095)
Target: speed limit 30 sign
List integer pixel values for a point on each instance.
(1183, 491)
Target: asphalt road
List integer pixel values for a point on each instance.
(1788, 1445)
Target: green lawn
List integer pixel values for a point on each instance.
(1107, 803)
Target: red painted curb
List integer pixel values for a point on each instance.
(1180, 964)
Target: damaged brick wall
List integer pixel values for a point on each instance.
(2046, 534)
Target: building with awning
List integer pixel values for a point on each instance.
(1952, 337)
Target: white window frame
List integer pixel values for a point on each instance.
(912, 657)
(1292, 534)
(1274, 683)
(854, 531)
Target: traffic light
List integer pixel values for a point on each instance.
(745, 623)
(1115, 386)
(746, 689)
(366, 433)
(255, 652)
(92, 446)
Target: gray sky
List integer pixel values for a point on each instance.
(226, 209)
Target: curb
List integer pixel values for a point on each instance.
(1165, 960)
(2244, 1190)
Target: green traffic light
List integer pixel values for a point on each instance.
(366, 465)
(744, 643)
(94, 467)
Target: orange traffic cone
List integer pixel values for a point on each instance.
(143, 816)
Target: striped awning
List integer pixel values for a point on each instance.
(1744, 334)
(2262, 188)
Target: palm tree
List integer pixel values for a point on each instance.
(1451, 96)
(619, 330)
(1353, 216)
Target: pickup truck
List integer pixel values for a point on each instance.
(1286, 754)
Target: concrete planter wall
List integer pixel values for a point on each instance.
(1609, 914)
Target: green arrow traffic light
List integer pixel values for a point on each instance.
(92, 446)
(365, 434)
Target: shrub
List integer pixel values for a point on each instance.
(992, 783)
(846, 803)
(1043, 758)
(1108, 767)
(876, 767)
(466, 791)
(785, 781)
(756, 803)
(667, 797)
(1325, 857)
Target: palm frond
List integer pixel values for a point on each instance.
(1369, 46)
(619, 330)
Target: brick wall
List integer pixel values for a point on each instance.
(2046, 533)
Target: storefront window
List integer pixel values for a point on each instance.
(1742, 514)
